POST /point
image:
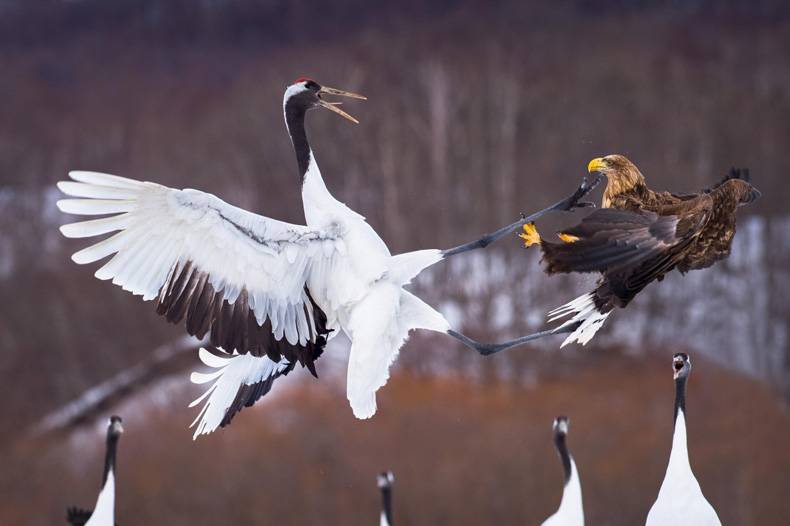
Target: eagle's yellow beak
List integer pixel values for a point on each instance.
(596, 165)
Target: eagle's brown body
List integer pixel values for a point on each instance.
(709, 216)
(639, 235)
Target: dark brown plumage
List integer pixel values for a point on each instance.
(639, 235)
(188, 294)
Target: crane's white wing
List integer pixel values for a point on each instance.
(239, 276)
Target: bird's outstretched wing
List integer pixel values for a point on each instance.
(240, 277)
(609, 239)
(629, 249)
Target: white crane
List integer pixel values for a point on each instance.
(680, 500)
(385, 481)
(267, 292)
(571, 510)
(103, 513)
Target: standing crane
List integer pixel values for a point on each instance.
(103, 513)
(571, 510)
(385, 481)
(268, 294)
(680, 500)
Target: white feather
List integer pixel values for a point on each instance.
(232, 371)
(96, 227)
(101, 179)
(96, 192)
(585, 314)
(571, 510)
(379, 326)
(104, 511)
(160, 226)
(680, 500)
(94, 207)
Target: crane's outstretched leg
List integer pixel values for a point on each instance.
(567, 204)
(487, 349)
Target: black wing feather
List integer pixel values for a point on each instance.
(609, 239)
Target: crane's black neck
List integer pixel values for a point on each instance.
(109, 457)
(386, 503)
(680, 396)
(562, 449)
(295, 112)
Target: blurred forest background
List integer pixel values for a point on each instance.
(477, 111)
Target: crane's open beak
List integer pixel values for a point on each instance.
(332, 106)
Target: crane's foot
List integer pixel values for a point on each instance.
(575, 200)
(487, 349)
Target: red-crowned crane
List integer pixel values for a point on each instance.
(267, 292)
(385, 481)
(103, 513)
(680, 500)
(571, 510)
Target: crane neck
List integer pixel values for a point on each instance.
(386, 505)
(294, 120)
(680, 397)
(678, 457)
(562, 450)
(109, 457)
(571, 506)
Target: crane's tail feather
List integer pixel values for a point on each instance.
(584, 314)
(239, 381)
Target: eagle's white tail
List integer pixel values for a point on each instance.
(585, 314)
(240, 380)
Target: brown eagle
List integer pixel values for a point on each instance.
(636, 237)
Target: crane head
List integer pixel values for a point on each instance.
(115, 428)
(309, 94)
(681, 365)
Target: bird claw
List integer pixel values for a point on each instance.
(530, 235)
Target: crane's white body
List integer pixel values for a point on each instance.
(337, 257)
(104, 512)
(680, 500)
(571, 510)
(365, 295)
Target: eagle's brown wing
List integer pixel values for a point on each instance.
(610, 239)
(630, 249)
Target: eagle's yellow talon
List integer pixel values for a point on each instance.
(568, 238)
(530, 235)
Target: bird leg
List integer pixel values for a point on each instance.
(569, 203)
(487, 349)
